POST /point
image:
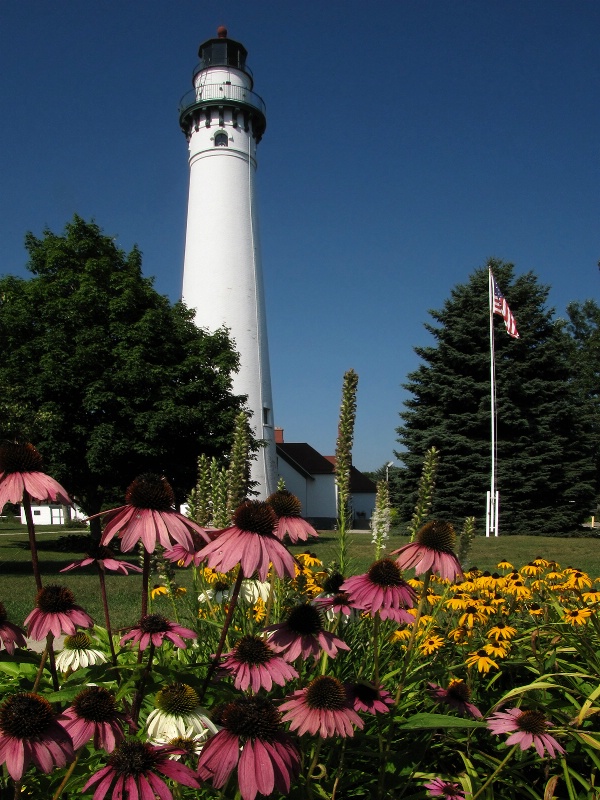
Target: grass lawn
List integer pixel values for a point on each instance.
(17, 590)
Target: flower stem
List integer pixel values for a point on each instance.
(413, 633)
(496, 772)
(38, 676)
(106, 614)
(145, 582)
(139, 694)
(68, 774)
(215, 660)
(32, 542)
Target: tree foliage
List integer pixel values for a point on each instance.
(545, 469)
(105, 375)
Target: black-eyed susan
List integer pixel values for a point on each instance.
(504, 565)
(471, 617)
(541, 562)
(486, 606)
(535, 610)
(577, 580)
(496, 648)
(460, 635)
(501, 631)
(431, 645)
(519, 590)
(531, 570)
(592, 597)
(309, 560)
(459, 602)
(157, 591)
(401, 635)
(577, 616)
(481, 660)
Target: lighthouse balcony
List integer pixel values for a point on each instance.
(215, 92)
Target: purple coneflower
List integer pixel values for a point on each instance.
(335, 604)
(178, 715)
(527, 728)
(56, 613)
(250, 543)
(323, 707)
(433, 550)
(29, 732)
(367, 697)
(148, 515)
(287, 507)
(132, 772)
(303, 634)
(456, 695)
(381, 590)
(440, 788)
(94, 715)
(11, 636)
(251, 739)
(103, 557)
(183, 555)
(21, 471)
(154, 628)
(254, 662)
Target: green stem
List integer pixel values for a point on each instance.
(106, 613)
(32, 542)
(139, 694)
(40, 671)
(496, 772)
(65, 780)
(376, 623)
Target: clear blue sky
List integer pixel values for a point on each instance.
(407, 142)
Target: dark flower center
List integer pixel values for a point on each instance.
(495, 576)
(252, 718)
(385, 573)
(55, 599)
(333, 582)
(471, 609)
(133, 757)
(252, 650)
(153, 623)
(486, 574)
(501, 625)
(16, 457)
(482, 654)
(78, 641)
(151, 491)
(177, 699)
(305, 620)
(255, 516)
(220, 586)
(25, 715)
(3, 614)
(95, 705)
(532, 722)
(326, 694)
(366, 693)
(535, 607)
(458, 691)
(285, 504)
(437, 535)
(92, 548)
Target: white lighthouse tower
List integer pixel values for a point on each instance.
(224, 120)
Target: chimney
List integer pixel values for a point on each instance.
(278, 435)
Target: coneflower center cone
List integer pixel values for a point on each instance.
(25, 715)
(150, 491)
(77, 641)
(284, 503)
(55, 599)
(533, 722)
(252, 718)
(365, 692)
(437, 535)
(305, 620)
(327, 694)
(333, 582)
(385, 573)
(177, 699)
(458, 691)
(95, 705)
(255, 516)
(153, 623)
(17, 457)
(132, 757)
(253, 650)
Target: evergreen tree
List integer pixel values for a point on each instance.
(544, 466)
(104, 375)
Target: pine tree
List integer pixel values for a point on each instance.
(544, 468)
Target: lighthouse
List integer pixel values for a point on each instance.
(223, 120)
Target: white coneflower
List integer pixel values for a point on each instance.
(77, 653)
(178, 715)
(251, 591)
(219, 593)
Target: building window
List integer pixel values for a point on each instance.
(37, 513)
(221, 139)
(266, 416)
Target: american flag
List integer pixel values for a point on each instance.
(501, 307)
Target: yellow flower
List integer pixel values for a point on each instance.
(554, 576)
(416, 584)
(496, 648)
(211, 576)
(577, 580)
(259, 611)
(459, 602)
(577, 616)
(460, 635)
(431, 644)
(540, 562)
(487, 607)
(156, 591)
(401, 635)
(501, 631)
(481, 660)
(531, 569)
(519, 589)
(504, 564)
(471, 616)
(592, 597)
(309, 560)
(180, 591)
(535, 610)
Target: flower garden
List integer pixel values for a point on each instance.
(282, 676)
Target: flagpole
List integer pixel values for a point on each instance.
(492, 501)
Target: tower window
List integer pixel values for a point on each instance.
(266, 416)
(221, 139)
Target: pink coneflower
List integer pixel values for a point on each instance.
(103, 557)
(367, 697)
(287, 507)
(323, 707)
(303, 634)
(254, 662)
(251, 739)
(183, 555)
(11, 636)
(94, 715)
(29, 732)
(440, 788)
(527, 728)
(149, 515)
(154, 628)
(381, 591)
(456, 695)
(250, 543)
(337, 603)
(56, 613)
(132, 772)
(21, 471)
(432, 550)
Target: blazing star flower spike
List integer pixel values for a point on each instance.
(21, 471)
(527, 728)
(56, 613)
(149, 516)
(250, 543)
(287, 507)
(432, 550)
(30, 733)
